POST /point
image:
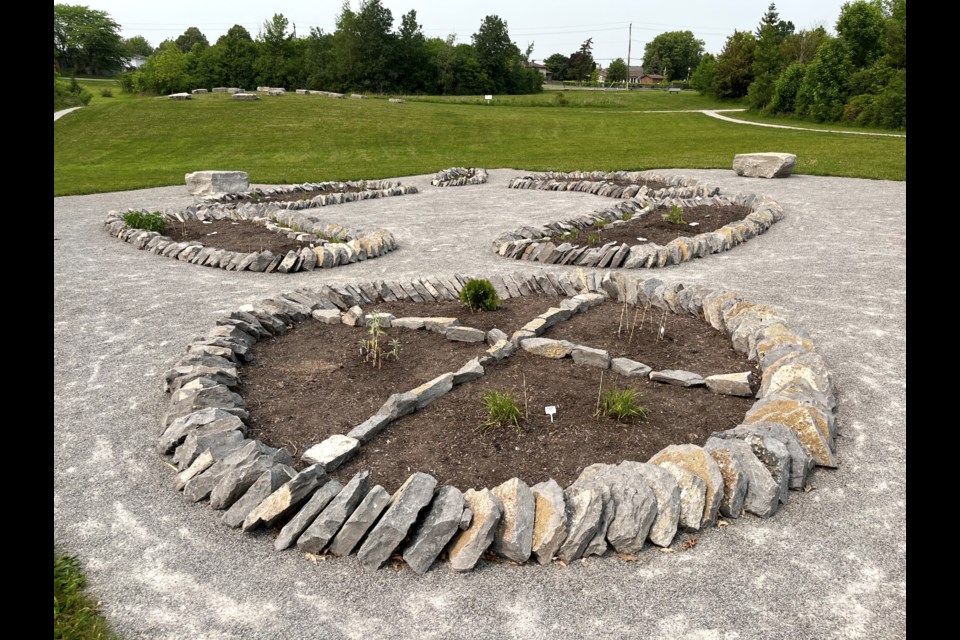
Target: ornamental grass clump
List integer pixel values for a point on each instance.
(502, 409)
(145, 220)
(621, 404)
(479, 295)
(675, 216)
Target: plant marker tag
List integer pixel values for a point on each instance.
(550, 411)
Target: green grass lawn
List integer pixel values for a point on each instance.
(639, 100)
(147, 142)
(75, 614)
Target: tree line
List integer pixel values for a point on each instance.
(364, 54)
(858, 76)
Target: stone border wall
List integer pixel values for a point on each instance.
(748, 469)
(348, 246)
(459, 176)
(534, 244)
(369, 189)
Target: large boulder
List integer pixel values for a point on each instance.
(215, 183)
(764, 165)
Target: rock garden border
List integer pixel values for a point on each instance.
(748, 469)
(459, 176)
(533, 243)
(368, 190)
(348, 246)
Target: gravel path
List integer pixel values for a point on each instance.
(831, 564)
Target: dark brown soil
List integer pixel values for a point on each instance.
(313, 382)
(233, 235)
(654, 228)
(294, 196)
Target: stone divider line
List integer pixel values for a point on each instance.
(748, 469)
(368, 189)
(459, 176)
(534, 243)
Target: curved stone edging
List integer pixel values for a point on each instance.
(459, 176)
(750, 468)
(527, 243)
(369, 190)
(352, 246)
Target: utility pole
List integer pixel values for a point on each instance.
(629, 46)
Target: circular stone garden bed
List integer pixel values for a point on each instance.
(767, 446)
(580, 241)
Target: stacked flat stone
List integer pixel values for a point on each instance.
(535, 244)
(459, 176)
(748, 469)
(369, 190)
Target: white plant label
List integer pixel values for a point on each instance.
(550, 411)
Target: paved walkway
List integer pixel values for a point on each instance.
(59, 114)
(831, 564)
(718, 114)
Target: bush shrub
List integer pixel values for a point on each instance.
(145, 220)
(502, 408)
(479, 295)
(106, 93)
(66, 95)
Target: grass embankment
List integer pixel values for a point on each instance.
(75, 614)
(147, 142)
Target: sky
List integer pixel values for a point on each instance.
(553, 27)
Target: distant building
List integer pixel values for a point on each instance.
(650, 78)
(134, 62)
(542, 68)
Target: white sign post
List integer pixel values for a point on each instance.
(488, 98)
(550, 411)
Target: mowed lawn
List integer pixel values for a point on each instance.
(147, 142)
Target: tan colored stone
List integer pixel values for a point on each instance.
(699, 462)
(809, 423)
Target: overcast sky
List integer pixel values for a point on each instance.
(553, 27)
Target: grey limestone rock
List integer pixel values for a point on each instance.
(468, 545)
(699, 462)
(677, 377)
(550, 520)
(764, 165)
(438, 527)
(306, 514)
(360, 521)
(735, 483)
(591, 357)
(332, 452)
(666, 490)
(326, 525)
(415, 494)
(268, 482)
(514, 536)
(630, 368)
(693, 492)
(584, 516)
(731, 384)
(209, 183)
(470, 371)
(763, 494)
(286, 499)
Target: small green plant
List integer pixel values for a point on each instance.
(675, 216)
(601, 224)
(502, 408)
(566, 236)
(106, 93)
(480, 295)
(628, 215)
(593, 239)
(621, 403)
(145, 220)
(372, 348)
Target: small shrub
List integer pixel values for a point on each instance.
(593, 239)
(106, 93)
(479, 295)
(602, 224)
(627, 215)
(675, 216)
(502, 408)
(622, 403)
(145, 220)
